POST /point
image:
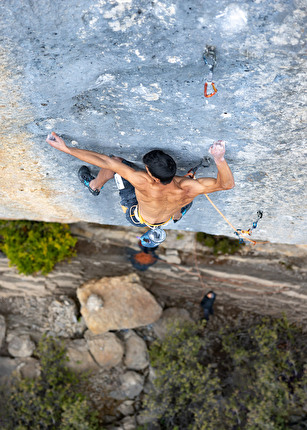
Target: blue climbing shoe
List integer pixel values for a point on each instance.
(85, 177)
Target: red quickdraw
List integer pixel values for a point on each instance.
(206, 88)
(209, 57)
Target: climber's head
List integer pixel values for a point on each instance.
(160, 165)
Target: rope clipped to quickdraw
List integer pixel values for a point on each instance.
(228, 222)
(209, 58)
(240, 232)
(191, 173)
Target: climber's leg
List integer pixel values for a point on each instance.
(103, 177)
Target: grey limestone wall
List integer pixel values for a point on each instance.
(127, 76)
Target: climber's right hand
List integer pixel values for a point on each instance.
(57, 142)
(217, 150)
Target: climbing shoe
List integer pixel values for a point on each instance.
(85, 177)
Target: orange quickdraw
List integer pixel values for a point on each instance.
(205, 90)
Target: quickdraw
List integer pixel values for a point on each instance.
(205, 162)
(206, 88)
(191, 173)
(248, 232)
(209, 57)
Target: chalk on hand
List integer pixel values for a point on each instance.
(50, 137)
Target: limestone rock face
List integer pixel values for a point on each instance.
(136, 357)
(126, 304)
(170, 315)
(79, 356)
(106, 349)
(21, 346)
(139, 66)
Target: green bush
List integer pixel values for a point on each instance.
(246, 377)
(36, 246)
(51, 401)
(219, 244)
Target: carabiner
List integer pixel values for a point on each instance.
(205, 90)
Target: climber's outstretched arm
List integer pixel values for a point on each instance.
(100, 160)
(224, 179)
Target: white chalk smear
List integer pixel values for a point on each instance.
(141, 57)
(120, 17)
(164, 12)
(174, 60)
(234, 19)
(104, 79)
(151, 93)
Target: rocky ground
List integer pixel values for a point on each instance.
(93, 313)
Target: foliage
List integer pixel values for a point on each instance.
(250, 377)
(36, 246)
(51, 401)
(219, 244)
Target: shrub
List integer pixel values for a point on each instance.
(36, 246)
(248, 377)
(51, 401)
(219, 244)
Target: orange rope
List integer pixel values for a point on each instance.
(217, 209)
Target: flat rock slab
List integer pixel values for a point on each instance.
(126, 304)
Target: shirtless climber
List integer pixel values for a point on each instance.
(155, 196)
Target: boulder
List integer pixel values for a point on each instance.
(106, 349)
(79, 356)
(62, 318)
(170, 315)
(21, 346)
(127, 423)
(2, 329)
(7, 367)
(126, 407)
(131, 384)
(124, 304)
(29, 368)
(136, 356)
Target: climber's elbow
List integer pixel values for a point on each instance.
(229, 185)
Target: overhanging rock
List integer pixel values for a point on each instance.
(127, 76)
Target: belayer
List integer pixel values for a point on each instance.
(155, 196)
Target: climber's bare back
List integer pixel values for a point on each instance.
(158, 202)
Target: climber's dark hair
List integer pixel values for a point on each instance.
(161, 165)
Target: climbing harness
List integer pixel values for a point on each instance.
(156, 235)
(240, 232)
(209, 57)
